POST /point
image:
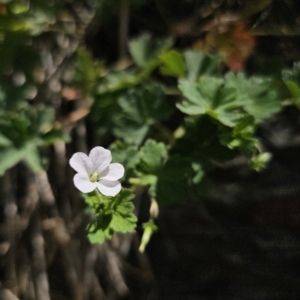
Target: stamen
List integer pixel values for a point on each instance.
(94, 177)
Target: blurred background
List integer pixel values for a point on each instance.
(75, 74)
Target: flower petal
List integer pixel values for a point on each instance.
(100, 158)
(109, 188)
(114, 172)
(81, 163)
(83, 183)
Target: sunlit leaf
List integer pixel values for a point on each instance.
(9, 158)
(125, 154)
(209, 96)
(111, 214)
(260, 161)
(258, 94)
(172, 64)
(193, 60)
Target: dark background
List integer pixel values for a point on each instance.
(241, 241)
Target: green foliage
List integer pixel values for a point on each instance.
(229, 99)
(259, 162)
(130, 115)
(189, 64)
(198, 63)
(237, 103)
(209, 96)
(125, 154)
(152, 155)
(142, 165)
(292, 80)
(110, 215)
(24, 128)
(33, 17)
(145, 52)
(172, 64)
(140, 108)
(258, 95)
(241, 136)
(184, 174)
(22, 132)
(144, 107)
(86, 71)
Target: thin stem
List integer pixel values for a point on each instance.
(98, 194)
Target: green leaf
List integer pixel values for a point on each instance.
(293, 88)
(138, 49)
(9, 158)
(194, 60)
(112, 214)
(229, 99)
(85, 67)
(123, 219)
(139, 109)
(199, 95)
(292, 80)
(86, 70)
(98, 236)
(258, 94)
(208, 96)
(32, 157)
(153, 155)
(201, 143)
(293, 74)
(4, 141)
(199, 173)
(147, 179)
(55, 135)
(125, 154)
(45, 119)
(260, 161)
(18, 8)
(23, 131)
(121, 224)
(199, 181)
(295, 91)
(172, 64)
(242, 136)
(143, 50)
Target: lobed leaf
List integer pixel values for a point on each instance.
(112, 214)
(153, 155)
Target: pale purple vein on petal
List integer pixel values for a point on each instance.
(100, 158)
(109, 188)
(83, 183)
(115, 171)
(81, 163)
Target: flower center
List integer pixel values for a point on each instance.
(94, 177)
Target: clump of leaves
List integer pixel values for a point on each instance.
(230, 98)
(129, 115)
(110, 215)
(23, 132)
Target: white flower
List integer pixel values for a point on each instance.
(96, 171)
